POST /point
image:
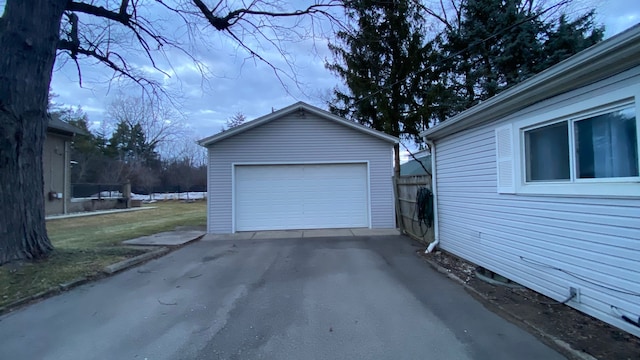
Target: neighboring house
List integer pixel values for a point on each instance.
(540, 184)
(299, 168)
(421, 166)
(56, 166)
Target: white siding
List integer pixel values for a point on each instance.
(547, 243)
(292, 139)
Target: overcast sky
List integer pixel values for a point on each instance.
(238, 84)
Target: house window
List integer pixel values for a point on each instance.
(599, 145)
(607, 145)
(547, 150)
(589, 147)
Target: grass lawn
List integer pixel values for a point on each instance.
(85, 245)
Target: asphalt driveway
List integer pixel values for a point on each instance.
(318, 298)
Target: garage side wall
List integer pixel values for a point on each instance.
(54, 167)
(547, 243)
(294, 139)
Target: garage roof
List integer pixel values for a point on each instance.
(299, 106)
(61, 127)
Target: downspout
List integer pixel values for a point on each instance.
(434, 190)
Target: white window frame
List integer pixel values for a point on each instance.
(523, 151)
(619, 187)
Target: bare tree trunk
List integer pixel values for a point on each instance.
(28, 39)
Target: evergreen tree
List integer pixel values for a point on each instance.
(236, 120)
(129, 144)
(570, 37)
(500, 43)
(382, 63)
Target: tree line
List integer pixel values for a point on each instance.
(139, 141)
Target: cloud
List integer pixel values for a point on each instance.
(234, 81)
(617, 15)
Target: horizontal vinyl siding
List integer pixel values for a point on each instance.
(547, 243)
(300, 140)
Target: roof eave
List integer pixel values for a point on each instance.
(60, 132)
(600, 61)
(62, 128)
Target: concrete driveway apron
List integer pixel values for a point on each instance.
(310, 298)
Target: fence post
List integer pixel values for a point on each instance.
(126, 193)
(399, 219)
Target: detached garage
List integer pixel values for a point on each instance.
(299, 168)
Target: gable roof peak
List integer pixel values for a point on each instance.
(298, 106)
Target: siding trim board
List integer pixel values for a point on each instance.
(550, 241)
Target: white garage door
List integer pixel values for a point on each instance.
(276, 197)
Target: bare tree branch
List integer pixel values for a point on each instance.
(225, 22)
(159, 122)
(249, 27)
(441, 18)
(123, 6)
(128, 20)
(122, 17)
(120, 70)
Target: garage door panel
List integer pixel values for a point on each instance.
(274, 197)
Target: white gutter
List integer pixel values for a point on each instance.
(434, 190)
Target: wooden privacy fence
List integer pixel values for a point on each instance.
(406, 190)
